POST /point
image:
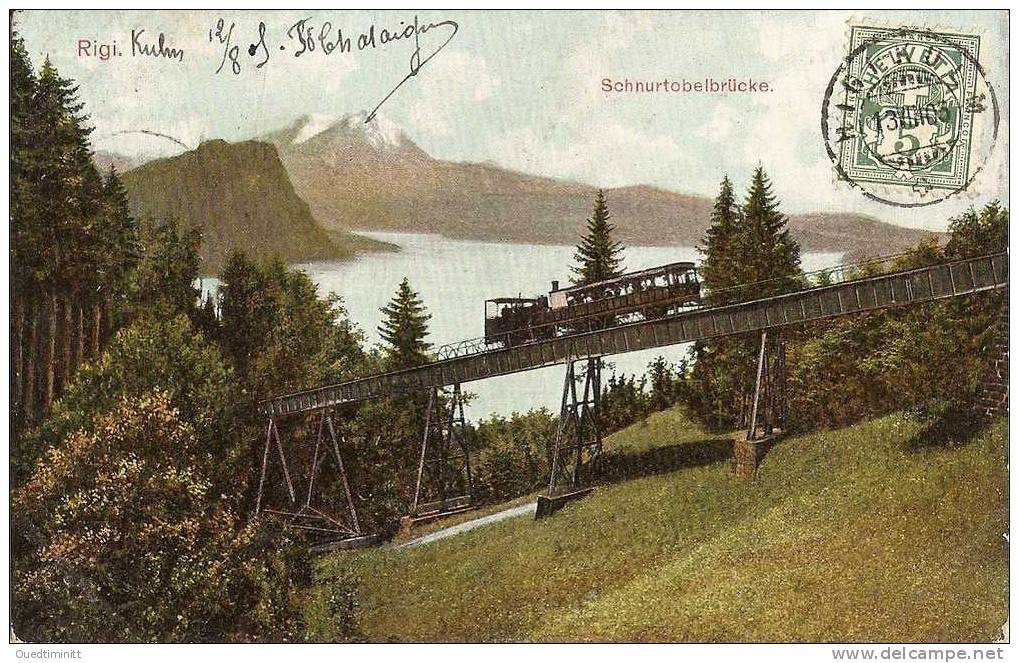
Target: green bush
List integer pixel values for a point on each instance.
(514, 454)
(131, 540)
(928, 358)
(168, 355)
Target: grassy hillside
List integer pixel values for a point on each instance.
(863, 534)
(660, 429)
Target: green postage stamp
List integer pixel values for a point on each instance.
(909, 116)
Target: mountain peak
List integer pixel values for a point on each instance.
(341, 133)
(380, 132)
(241, 197)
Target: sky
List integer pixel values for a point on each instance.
(520, 89)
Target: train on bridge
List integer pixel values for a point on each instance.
(642, 295)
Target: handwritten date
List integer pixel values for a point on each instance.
(304, 37)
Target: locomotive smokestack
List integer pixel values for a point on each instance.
(555, 285)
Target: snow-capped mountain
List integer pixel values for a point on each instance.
(345, 136)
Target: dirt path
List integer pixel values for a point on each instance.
(526, 509)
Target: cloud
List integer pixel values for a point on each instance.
(617, 155)
(789, 142)
(723, 123)
(785, 123)
(445, 86)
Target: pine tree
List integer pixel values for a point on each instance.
(748, 254)
(23, 232)
(767, 253)
(718, 270)
(63, 188)
(65, 185)
(405, 327)
(117, 243)
(24, 223)
(599, 257)
(72, 237)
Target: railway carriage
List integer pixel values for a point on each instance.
(641, 295)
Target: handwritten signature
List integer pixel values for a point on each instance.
(308, 38)
(415, 59)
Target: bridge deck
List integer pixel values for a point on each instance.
(942, 281)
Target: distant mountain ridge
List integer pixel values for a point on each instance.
(241, 196)
(298, 190)
(371, 176)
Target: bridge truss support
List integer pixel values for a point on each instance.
(578, 438)
(445, 482)
(768, 411)
(319, 512)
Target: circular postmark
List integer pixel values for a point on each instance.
(909, 117)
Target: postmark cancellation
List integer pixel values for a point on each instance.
(909, 117)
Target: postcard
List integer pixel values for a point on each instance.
(477, 326)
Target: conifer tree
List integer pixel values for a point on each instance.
(405, 327)
(23, 221)
(768, 252)
(599, 257)
(718, 270)
(23, 234)
(64, 183)
(748, 254)
(117, 242)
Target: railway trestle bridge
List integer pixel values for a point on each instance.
(444, 473)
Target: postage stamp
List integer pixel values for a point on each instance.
(909, 116)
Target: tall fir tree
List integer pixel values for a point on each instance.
(769, 257)
(62, 188)
(24, 237)
(718, 270)
(117, 242)
(748, 254)
(24, 225)
(405, 327)
(598, 255)
(64, 182)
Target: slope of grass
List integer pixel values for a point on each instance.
(660, 429)
(861, 534)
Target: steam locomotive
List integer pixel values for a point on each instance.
(641, 295)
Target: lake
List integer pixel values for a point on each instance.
(455, 277)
